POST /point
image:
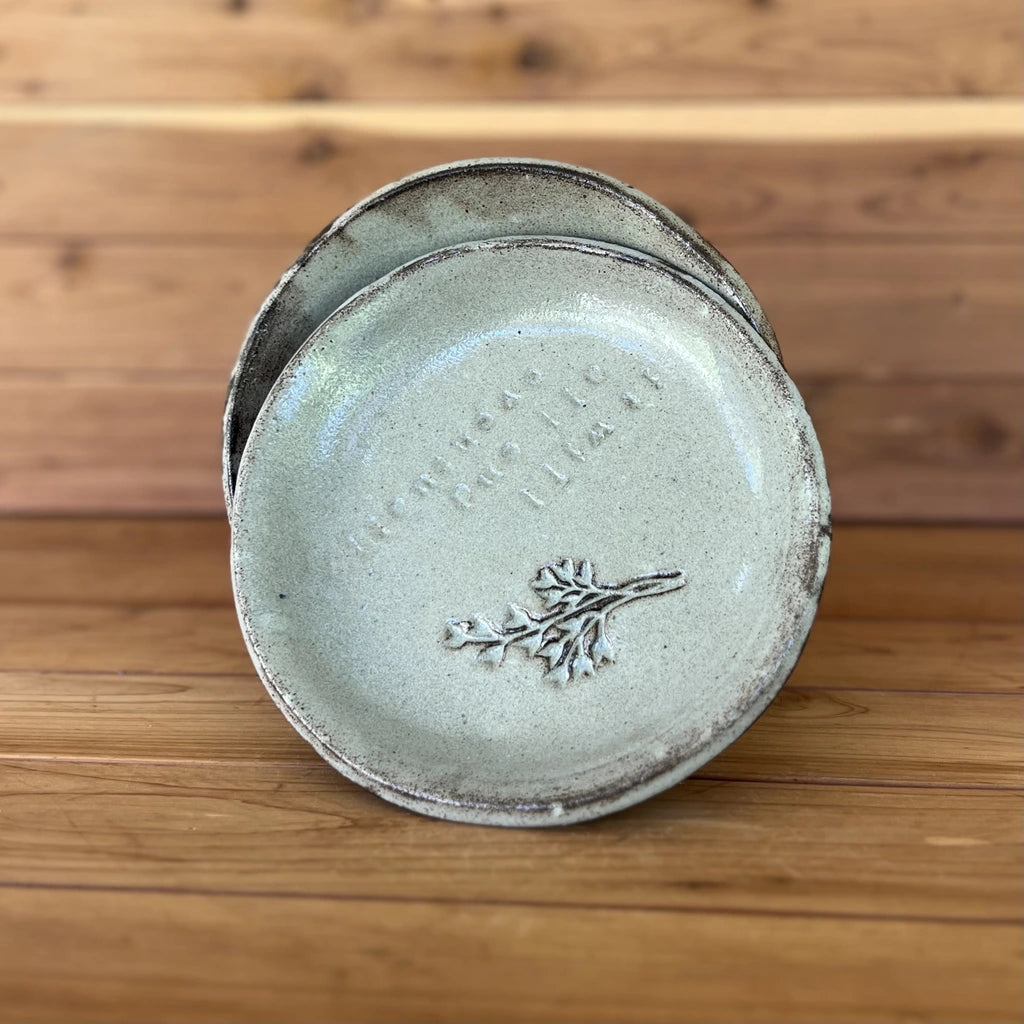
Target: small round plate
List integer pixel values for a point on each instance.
(459, 202)
(528, 530)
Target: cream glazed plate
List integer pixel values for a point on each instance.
(528, 530)
(449, 205)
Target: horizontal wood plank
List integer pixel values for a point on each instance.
(912, 656)
(182, 640)
(876, 572)
(978, 657)
(867, 309)
(886, 310)
(851, 736)
(145, 561)
(835, 735)
(897, 450)
(864, 834)
(182, 307)
(123, 443)
(920, 572)
(98, 443)
(920, 450)
(172, 850)
(84, 956)
(143, 183)
(750, 846)
(519, 49)
(763, 121)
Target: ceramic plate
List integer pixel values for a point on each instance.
(528, 530)
(443, 206)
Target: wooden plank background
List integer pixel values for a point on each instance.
(161, 163)
(506, 49)
(891, 270)
(171, 850)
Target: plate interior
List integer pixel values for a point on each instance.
(446, 206)
(460, 449)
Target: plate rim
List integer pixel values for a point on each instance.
(742, 298)
(672, 767)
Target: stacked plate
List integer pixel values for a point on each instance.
(528, 520)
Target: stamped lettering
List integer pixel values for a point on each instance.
(541, 453)
(560, 478)
(490, 476)
(600, 432)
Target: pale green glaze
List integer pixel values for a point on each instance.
(459, 202)
(473, 417)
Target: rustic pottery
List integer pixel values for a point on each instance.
(459, 202)
(529, 528)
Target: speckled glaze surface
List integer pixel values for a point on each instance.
(529, 530)
(447, 205)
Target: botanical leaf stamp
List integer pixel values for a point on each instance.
(571, 634)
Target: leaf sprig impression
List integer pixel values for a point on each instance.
(571, 635)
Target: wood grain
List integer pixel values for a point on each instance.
(138, 183)
(852, 736)
(855, 856)
(518, 49)
(123, 443)
(129, 956)
(103, 442)
(835, 735)
(761, 847)
(925, 573)
(868, 310)
(971, 657)
(889, 310)
(181, 640)
(171, 850)
(152, 561)
(876, 572)
(881, 259)
(895, 450)
(677, 121)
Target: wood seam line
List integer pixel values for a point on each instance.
(641, 908)
(45, 765)
(895, 119)
(12, 758)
